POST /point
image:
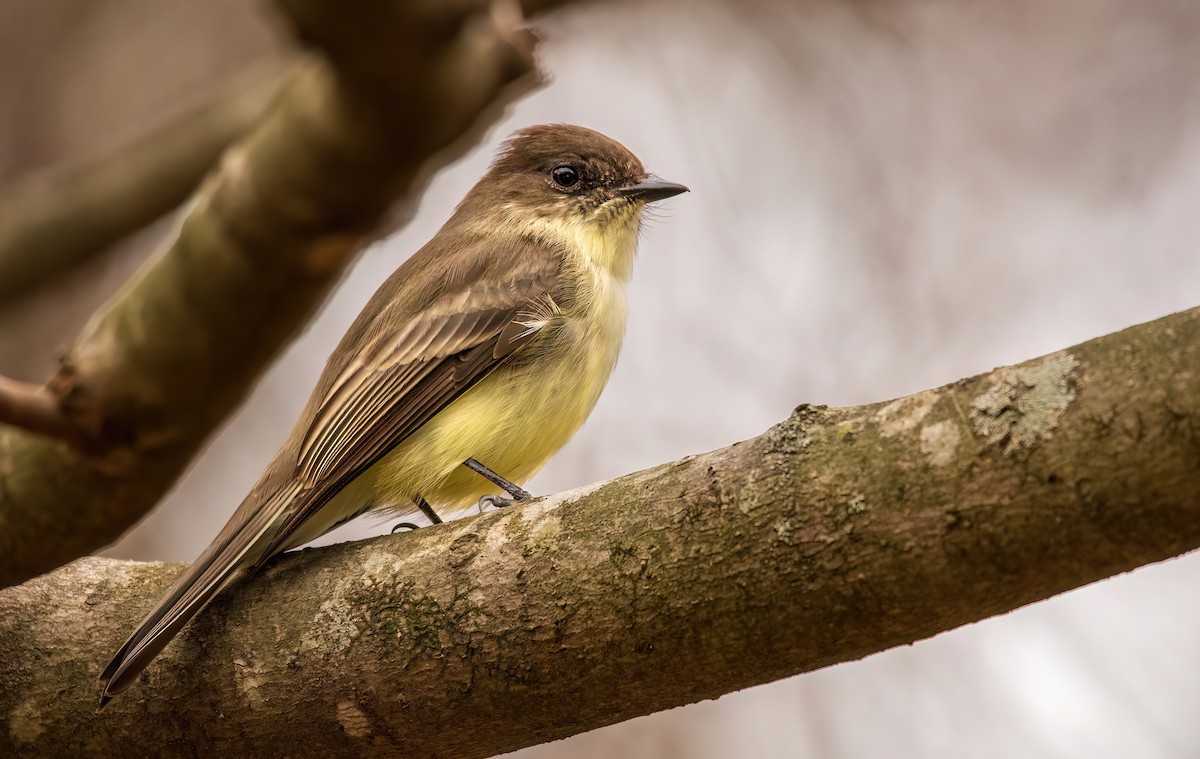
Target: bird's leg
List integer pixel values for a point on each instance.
(518, 493)
(426, 509)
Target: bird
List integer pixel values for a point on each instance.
(472, 365)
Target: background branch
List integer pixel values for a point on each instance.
(837, 533)
(56, 219)
(402, 89)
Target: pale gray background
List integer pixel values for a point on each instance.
(886, 196)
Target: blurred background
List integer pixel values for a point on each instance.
(886, 196)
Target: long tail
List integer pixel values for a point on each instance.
(239, 546)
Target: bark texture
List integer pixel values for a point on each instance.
(399, 89)
(835, 534)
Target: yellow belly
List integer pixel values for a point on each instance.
(513, 421)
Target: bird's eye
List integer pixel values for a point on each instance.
(565, 176)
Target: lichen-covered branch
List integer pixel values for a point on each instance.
(397, 90)
(837, 533)
(55, 220)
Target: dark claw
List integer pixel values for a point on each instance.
(407, 526)
(496, 501)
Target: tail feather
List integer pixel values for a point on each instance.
(238, 547)
(151, 638)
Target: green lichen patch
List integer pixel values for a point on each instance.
(857, 504)
(1026, 403)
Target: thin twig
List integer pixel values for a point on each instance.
(33, 408)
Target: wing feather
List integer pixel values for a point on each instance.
(373, 435)
(211, 572)
(375, 389)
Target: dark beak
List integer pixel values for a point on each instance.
(650, 190)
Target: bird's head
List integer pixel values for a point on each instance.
(569, 173)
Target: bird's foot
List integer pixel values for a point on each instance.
(496, 501)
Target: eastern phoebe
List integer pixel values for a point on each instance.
(468, 369)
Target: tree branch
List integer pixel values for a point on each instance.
(837, 533)
(57, 219)
(401, 88)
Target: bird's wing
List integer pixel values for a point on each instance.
(402, 378)
(375, 406)
(378, 390)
